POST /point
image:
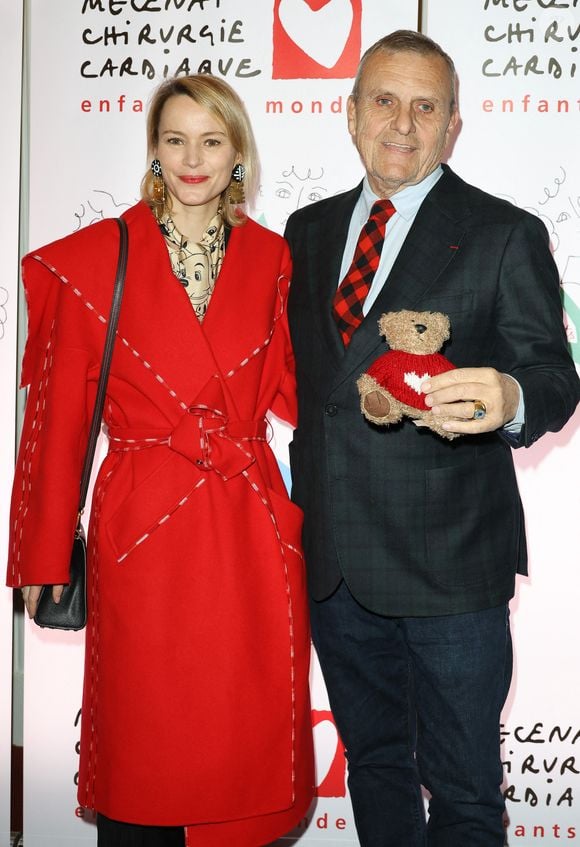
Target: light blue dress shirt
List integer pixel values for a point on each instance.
(407, 203)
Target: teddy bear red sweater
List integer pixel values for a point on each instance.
(401, 374)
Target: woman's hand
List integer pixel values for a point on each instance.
(31, 593)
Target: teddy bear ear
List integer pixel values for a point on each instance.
(443, 325)
(385, 321)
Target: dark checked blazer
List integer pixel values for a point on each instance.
(417, 525)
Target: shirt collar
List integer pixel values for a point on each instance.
(406, 201)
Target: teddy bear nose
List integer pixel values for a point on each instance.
(421, 328)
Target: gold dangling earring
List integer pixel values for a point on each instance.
(237, 194)
(158, 184)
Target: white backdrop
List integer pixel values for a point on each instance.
(292, 61)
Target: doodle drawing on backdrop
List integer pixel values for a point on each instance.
(559, 206)
(292, 188)
(3, 312)
(555, 198)
(98, 205)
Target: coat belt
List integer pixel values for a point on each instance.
(206, 437)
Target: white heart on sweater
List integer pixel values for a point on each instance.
(414, 381)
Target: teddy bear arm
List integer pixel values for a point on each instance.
(376, 403)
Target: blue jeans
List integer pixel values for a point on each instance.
(417, 701)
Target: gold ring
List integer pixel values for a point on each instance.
(479, 410)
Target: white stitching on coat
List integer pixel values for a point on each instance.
(160, 522)
(29, 450)
(255, 487)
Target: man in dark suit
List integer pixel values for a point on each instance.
(412, 541)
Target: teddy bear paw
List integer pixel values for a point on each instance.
(436, 425)
(376, 404)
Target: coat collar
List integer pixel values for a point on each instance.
(156, 315)
(157, 323)
(239, 316)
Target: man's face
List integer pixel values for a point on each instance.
(402, 119)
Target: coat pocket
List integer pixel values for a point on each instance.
(151, 504)
(473, 520)
(289, 519)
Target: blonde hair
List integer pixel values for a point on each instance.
(222, 102)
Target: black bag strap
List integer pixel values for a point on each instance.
(106, 361)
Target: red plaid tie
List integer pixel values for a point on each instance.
(352, 291)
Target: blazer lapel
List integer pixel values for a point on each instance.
(331, 232)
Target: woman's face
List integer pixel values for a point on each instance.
(196, 155)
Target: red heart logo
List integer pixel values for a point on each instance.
(316, 39)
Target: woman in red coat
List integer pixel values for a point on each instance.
(196, 719)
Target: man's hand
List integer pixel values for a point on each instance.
(452, 394)
(31, 593)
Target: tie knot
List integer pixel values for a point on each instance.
(382, 211)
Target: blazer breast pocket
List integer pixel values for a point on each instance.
(450, 304)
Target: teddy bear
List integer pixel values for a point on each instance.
(391, 386)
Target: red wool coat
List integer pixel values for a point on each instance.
(195, 707)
